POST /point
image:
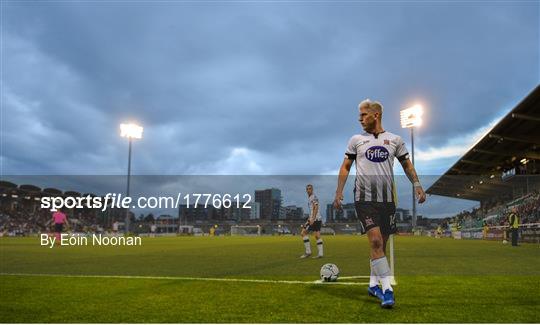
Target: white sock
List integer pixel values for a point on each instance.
(373, 280)
(381, 268)
(306, 245)
(320, 247)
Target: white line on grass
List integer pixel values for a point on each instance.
(183, 278)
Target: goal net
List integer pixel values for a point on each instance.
(245, 230)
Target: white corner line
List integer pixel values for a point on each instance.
(182, 278)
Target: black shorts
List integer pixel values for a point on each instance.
(377, 214)
(58, 227)
(316, 226)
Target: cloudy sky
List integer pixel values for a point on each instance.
(252, 87)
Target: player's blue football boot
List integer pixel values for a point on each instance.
(388, 299)
(375, 291)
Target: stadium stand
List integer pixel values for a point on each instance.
(21, 214)
(501, 171)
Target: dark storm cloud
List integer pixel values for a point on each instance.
(263, 88)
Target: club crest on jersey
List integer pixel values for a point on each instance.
(377, 154)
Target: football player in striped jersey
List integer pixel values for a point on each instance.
(373, 152)
(313, 224)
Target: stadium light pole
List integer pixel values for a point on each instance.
(130, 131)
(411, 118)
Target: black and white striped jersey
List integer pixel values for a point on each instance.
(374, 157)
(312, 201)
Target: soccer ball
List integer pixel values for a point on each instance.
(505, 242)
(329, 272)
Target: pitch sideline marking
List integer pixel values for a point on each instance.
(392, 280)
(183, 278)
(355, 277)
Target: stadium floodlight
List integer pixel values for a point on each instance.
(410, 118)
(130, 131)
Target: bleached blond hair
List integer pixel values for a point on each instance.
(372, 106)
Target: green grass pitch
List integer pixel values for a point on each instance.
(439, 280)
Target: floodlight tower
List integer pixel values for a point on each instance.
(130, 131)
(410, 118)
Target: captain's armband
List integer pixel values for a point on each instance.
(403, 158)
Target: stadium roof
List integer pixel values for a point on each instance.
(9, 187)
(29, 188)
(513, 141)
(72, 193)
(52, 191)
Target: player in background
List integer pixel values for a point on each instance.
(153, 229)
(313, 224)
(59, 218)
(375, 198)
(115, 226)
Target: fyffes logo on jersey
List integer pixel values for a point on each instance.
(377, 154)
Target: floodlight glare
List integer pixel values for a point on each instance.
(411, 116)
(131, 131)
